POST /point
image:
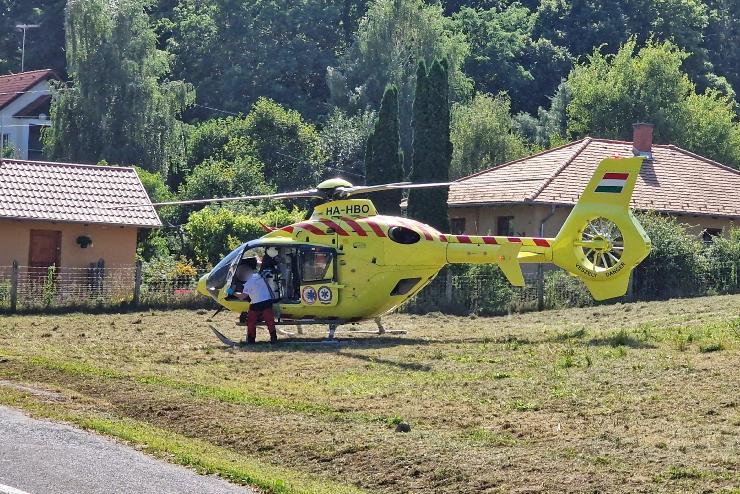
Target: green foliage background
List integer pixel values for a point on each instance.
(213, 98)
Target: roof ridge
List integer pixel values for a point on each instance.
(618, 141)
(28, 72)
(585, 142)
(703, 158)
(59, 163)
(502, 165)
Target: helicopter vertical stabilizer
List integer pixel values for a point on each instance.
(601, 242)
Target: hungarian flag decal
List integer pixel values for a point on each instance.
(612, 182)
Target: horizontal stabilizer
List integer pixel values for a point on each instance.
(509, 264)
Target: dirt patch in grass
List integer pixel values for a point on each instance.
(624, 398)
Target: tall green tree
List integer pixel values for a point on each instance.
(289, 146)
(549, 128)
(235, 52)
(383, 155)
(432, 145)
(723, 37)
(506, 56)
(117, 107)
(483, 135)
(609, 93)
(392, 37)
(343, 139)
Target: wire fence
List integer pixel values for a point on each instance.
(29, 288)
(461, 292)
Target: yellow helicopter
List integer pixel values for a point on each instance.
(346, 263)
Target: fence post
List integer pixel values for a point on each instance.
(137, 283)
(14, 287)
(631, 288)
(448, 287)
(540, 287)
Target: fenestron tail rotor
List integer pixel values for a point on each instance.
(602, 243)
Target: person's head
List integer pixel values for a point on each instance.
(246, 268)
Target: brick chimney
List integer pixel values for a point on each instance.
(642, 139)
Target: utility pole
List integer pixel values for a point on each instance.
(24, 27)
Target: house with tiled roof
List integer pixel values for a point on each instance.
(532, 196)
(65, 215)
(25, 100)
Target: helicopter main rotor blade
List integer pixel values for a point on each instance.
(280, 196)
(366, 189)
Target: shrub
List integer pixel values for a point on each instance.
(214, 232)
(484, 290)
(723, 263)
(563, 290)
(675, 266)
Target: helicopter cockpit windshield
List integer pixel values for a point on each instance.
(222, 271)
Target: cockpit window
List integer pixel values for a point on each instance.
(317, 265)
(403, 235)
(220, 273)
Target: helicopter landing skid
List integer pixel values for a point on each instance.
(381, 330)
(224, 339)
(330, 340)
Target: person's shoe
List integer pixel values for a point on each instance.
(273, 338)
(250, 341)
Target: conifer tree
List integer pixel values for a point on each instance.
(432, 148)
(383, 155)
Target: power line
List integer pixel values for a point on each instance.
(218, 110)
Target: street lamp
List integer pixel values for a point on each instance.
(24, 27)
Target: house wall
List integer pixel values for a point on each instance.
(114, 244)
(482, 220)
(17, 128)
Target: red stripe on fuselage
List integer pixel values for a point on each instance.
(442, 238)
(489, 240)
(426, 233)
(378, 231)
(514, 239)
(463, 239)
(616, 176)
(541, 242)
(354, 225)
(311, 228)
(338, 229)
(288, 229)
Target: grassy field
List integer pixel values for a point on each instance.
(626, 398)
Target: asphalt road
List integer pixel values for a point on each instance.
(42, 457)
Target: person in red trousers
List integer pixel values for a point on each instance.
(251, 286)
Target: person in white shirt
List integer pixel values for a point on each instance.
(250, 286)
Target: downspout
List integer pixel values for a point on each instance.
(540, 267)
(544, 220)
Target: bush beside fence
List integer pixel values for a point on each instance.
(23, 288)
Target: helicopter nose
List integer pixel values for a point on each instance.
(202, 286)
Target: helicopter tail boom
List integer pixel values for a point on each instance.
(600, 242)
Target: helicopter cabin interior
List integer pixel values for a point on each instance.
(284, 267)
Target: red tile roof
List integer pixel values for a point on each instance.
(13, 85)
(675, 181)
(65, 192)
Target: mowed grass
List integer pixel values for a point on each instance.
(639, 397)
